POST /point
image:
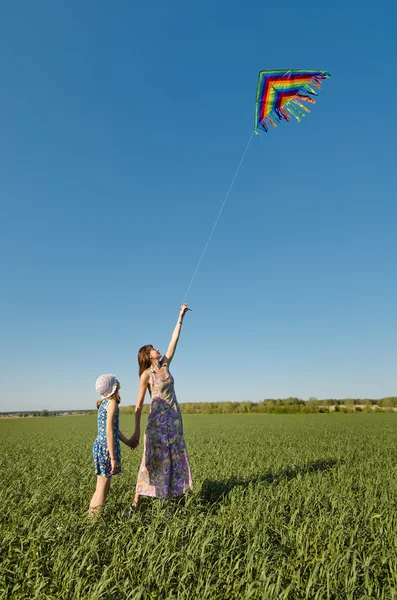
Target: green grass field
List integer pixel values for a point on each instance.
(284, 506)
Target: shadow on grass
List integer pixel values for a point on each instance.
(216, 491)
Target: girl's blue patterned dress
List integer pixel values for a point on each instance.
(102, 463)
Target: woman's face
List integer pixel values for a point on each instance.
(154, 354)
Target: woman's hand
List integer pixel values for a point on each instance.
(115, 466)
(134, 440)
(183, 310)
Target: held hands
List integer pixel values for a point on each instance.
(134, 440)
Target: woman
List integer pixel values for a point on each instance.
(164, 470)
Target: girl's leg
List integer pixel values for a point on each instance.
(100, 494)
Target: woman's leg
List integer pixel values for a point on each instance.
(100, 494)
(136, 501)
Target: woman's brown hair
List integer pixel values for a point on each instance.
(114, 396)
(144, 358)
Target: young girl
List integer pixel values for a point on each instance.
(164, 470)
(106, 450)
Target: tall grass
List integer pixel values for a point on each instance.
(284, 507)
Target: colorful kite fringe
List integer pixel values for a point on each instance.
(280, 95)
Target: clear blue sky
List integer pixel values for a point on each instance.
(121, 127)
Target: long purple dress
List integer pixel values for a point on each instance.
(164, 470)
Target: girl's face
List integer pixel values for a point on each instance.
(154, 354)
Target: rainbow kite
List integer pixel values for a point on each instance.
(280, 94)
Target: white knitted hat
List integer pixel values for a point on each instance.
(106, 385)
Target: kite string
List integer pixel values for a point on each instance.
(218, 217)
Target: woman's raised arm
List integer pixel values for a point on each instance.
(167, 358)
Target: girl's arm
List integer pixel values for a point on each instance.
(167, 358)
(143, 385)
(123, 438)
(111, 414)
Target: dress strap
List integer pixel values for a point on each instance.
(152, 379)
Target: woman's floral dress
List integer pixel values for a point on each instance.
(100, 450)
(164, 470)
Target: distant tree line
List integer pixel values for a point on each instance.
(285, 405)
(269, 405)
(45, 413)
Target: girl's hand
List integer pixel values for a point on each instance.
(134, 440)
(115, 466)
